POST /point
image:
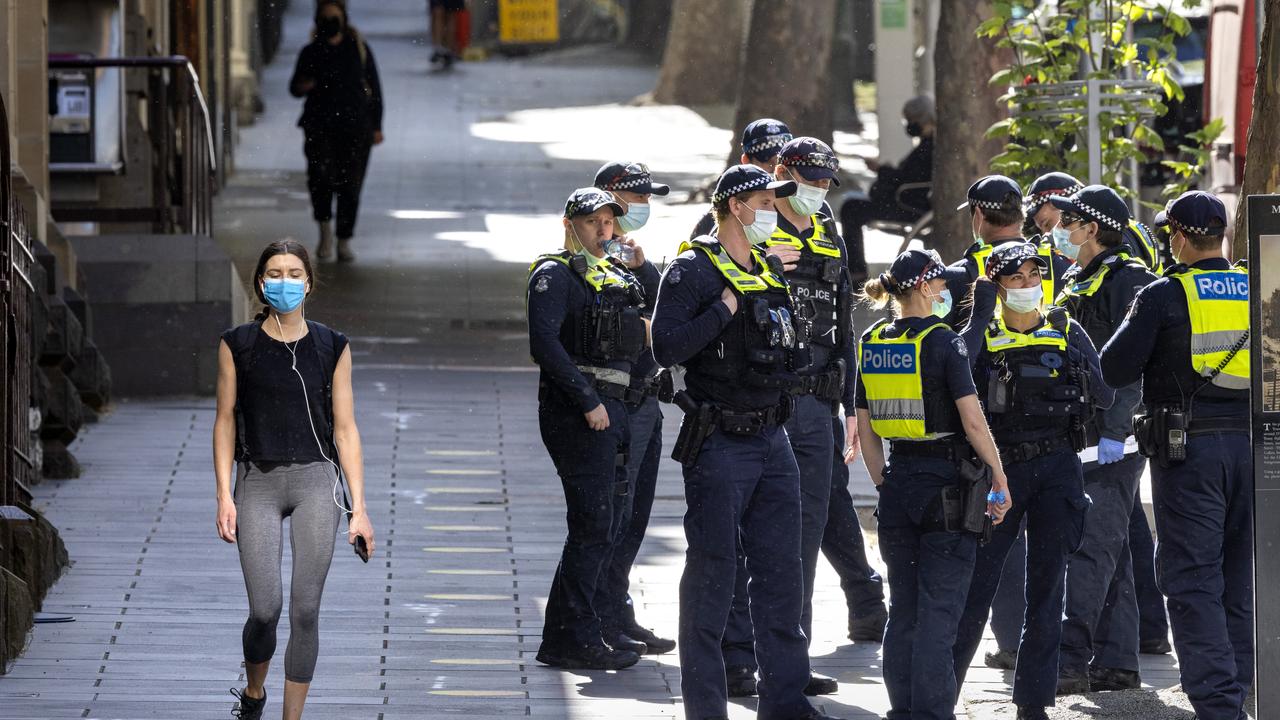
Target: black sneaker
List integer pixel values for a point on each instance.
(593, 657)
(1159, 646)
(741, 680)
(248, 708)
(1001, 659)
(1072, 684)
(623, 641)
(1032, 712)
(868, 628)
(1110, 679)
(820, 685)
(657, 645)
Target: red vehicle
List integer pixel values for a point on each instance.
(1230, 74)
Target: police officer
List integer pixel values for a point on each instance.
(725, 314)
(815, 262)
(994, 203)
(915, 389)
(1099, 575)
(1042, 217)
(585, 334)
(762, 140)
(1040, 378)
(632, 185)
(1186, 338)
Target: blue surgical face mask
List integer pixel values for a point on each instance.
(1062, 241)
(637, 215)
(942, 303)
(285, 295)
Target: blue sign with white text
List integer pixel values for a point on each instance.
(889, 359)
(1222, 286)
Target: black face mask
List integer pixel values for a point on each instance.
(915, 129)
(327, 27)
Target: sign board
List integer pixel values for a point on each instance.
(528, 21)
(1264, 317)
(893, 14)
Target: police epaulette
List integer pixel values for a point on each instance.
(706, 241)
(1175, 269)
(878, 323)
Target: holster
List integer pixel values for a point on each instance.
(976, 475)
(699, 421)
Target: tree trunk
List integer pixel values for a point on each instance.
(789, 42)
(844, 111)
(648, 24)
(704, 49)
(1262, 159)
(967, 106)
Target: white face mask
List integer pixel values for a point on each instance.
(762, 227)
(1023, 299)
(808, 198)
(637, 215)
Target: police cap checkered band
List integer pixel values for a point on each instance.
(1195, 212)
(585, 201)
(764, 134)
(813, 159)
(747, 185)
(912, 268)
(633, 177)
(747, 178)
(1036, 199)
(1006, 258)
(1095, 203)
(766, 143)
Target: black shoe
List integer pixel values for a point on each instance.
(248, 708)
(623, 641)
(1032, 712)
(1156, 647)
(1108, 679)
(1072, 684)
(869, 628)
(741, 680)
(593, 657)
(1001, 659)
(820, 685)
(656, 645)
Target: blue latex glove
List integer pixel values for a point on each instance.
(1110, 451)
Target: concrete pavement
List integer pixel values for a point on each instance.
(445, 621)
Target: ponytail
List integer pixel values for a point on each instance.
(879, 292)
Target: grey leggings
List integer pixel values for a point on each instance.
(266, 495)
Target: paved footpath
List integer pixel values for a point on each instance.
(446, 620)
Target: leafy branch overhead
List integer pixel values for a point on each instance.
(1080, 40)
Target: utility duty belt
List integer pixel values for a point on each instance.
(612, 383)
(701, 419)
(1020, 452)
(945, 449)
(827, 385)
(1162, 433)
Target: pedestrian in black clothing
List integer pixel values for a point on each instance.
(341, 121)
(882, 202)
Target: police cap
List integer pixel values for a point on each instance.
(1007, 257)
(912, 268)
(993, 192)
(811, 158)
(587, 200)
(629, 176)
(749, 178)
(1096, 203)
(763, 138)
(1196, 212)
(1046, 186)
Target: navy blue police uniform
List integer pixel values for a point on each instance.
(616, 608)
(1100, 625)
(1186, 339)
(585, 334)
(741, 480)
(925, 366)
(1037, 387)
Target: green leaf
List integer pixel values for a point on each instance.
(991, 27)
(1007, 76)
(999, 130)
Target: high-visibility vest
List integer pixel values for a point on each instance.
(1145, 245)
(891, 374)
(741, 281)
(817, 241)
(1218, 304)
(999, 338)
(1090, 285)
(599, 275)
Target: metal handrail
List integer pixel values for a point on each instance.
(192, 165)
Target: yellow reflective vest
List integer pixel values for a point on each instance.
(891, 376)
(1218, 304)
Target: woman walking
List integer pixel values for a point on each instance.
(286, 422)
(341, 121)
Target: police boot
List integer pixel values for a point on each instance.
(1001, 659)
(868, 628)
(248, 708)
(740, 680)
(1032, 712)
(594, 657)
(1107, 679)
(820, 685)
(344, 251)
(1072, 684)
(1159, 646)
(324, 250)
(657, 645)
(623, 641)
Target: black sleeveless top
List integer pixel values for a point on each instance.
(270, 404)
